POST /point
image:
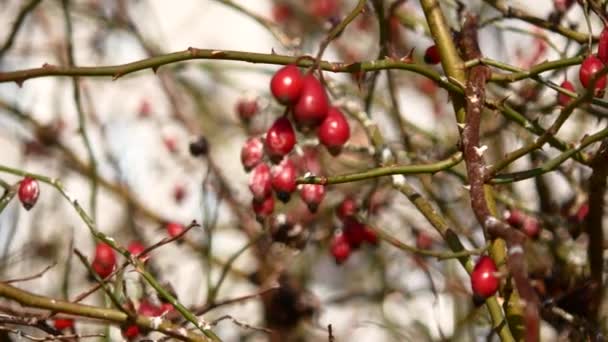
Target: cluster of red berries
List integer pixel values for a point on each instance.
(149, 309)
(353, 233)
(592, 65)
(526, 223)
(484, 279)
(308, 104)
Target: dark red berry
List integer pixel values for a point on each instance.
(483, 278)
(313, 105)
(179, 192)
(531, 227)
(564, 99)
(146, 308)
(281, 13)
(252, 153)
(431, 55)
(263, 209)
(166, 308)
(354, 232)
(334, 131)
(29, 190)
(105, 260)
(130, 332)
(247, 108)
(515, 217)
(589, 68)
(312, 195)
(347, 208)
(340, 248)
(260, 182)
(63, 323)
(174, 229)
(370, 236)
(136, 248)
(286, 85)
(284, 179)
(324, 8)
(581, 213)
(423, 240)
(280, 139)
(602, 46)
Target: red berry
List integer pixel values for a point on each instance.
(340, 248)
(29, 190)
(312, 195)
(602, 46)
(247, 108)
(334, 131)
(174, 229)
(347, 208)
(589, 68)
(582, 212)
(284, 179)
(136, 248)
(165, 308)
(146, 308)
(252, 153)
(370, 236)
(104, 261)
(531, 227)
(286, 85)
(423, 240)
(354, 232)
(281, 13)
(63, 323)
(260, 182)
(324, 8)
(431, 55)
(263, 209)
(483, 278)
(313, 105)
(564, 99)
(131, 332)
(280, 139)
(515, 217)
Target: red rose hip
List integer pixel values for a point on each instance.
(313, 105)
(174, 229)
(589, 68)
(136, 248)
(340, 248)
(312, 195)
(483, 278)
(28, 192)
(347, 208)
(247, 108)
(105, 260)
(334, 131)
(280, 139)
(286, 85)
(564, 99)
(602, 46)
(263, 209)
(252, 153)
(260, 182)
(431, 55)
(284, 179)
(63, 323)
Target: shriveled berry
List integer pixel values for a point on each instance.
(284, 179)
(589, 68)
(136, 248)
(260, 182)
(564, 99)
(431, 55)
(28, 192)
(174, 229)
(252, 153)
(105, 260)
(199, 147)
(334, 131)
(263, 208)
(247, 108)
(347, 208)
(312, 195)
(602, 46)
(280, 139)
(313, 105)
(484, 281)
(63, 323)
(340, 248)
(286, 85)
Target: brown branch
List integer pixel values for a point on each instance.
(475, 165)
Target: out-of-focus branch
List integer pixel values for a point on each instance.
(27, 8)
